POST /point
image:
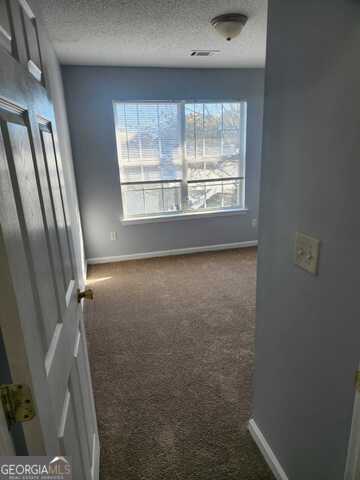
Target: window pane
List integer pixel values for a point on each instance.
(196, 196)
(133, 201)
(213, 137)
(148, 141)
(232, 194)
(215, 195)
(172, 198)
(151, 199)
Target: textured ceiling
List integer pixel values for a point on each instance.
(153, 32)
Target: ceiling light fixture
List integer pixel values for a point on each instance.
(229, 25)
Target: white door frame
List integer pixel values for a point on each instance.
(352, 471)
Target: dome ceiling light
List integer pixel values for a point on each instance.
(229, 25)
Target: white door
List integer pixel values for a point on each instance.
(40, 317)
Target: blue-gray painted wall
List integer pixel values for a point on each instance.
(90, 92)
(308, 327)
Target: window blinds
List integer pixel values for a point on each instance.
(180, 157)
(149, 141)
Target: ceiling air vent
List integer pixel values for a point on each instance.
(203, 53)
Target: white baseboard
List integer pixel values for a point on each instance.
(166, 253)
(266, 451)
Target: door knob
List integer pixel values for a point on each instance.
(87, 293)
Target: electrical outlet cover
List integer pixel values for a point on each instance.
(307, 251)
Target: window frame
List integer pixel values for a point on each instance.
(185, 212)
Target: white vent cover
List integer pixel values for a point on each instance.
(203, 53)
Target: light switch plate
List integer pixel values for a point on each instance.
(307, 251)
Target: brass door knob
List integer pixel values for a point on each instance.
(87, 293)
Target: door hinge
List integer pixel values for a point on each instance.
(17, 402)
(357, 381)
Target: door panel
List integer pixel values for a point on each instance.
(59, 365)
(31, 40)
(19, 167)
(83, 372)
(52, 228)
(6, 31)
(82, 395)
(58, 204)
(69, 439)
(76, 395)
(24, 179)
(18, 38)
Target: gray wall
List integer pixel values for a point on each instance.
(89, 94)
(308, 328)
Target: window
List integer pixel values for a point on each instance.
(182, 157)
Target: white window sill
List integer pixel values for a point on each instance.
(184, 216)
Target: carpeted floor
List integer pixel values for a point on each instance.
(171, 351)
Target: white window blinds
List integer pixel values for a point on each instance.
(149, 141)
(180, 157)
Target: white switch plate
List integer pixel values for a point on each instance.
(307, 251)
(254, 222)
(113, 236)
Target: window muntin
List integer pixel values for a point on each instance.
(180, 157)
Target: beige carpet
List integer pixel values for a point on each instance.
(171, 351)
